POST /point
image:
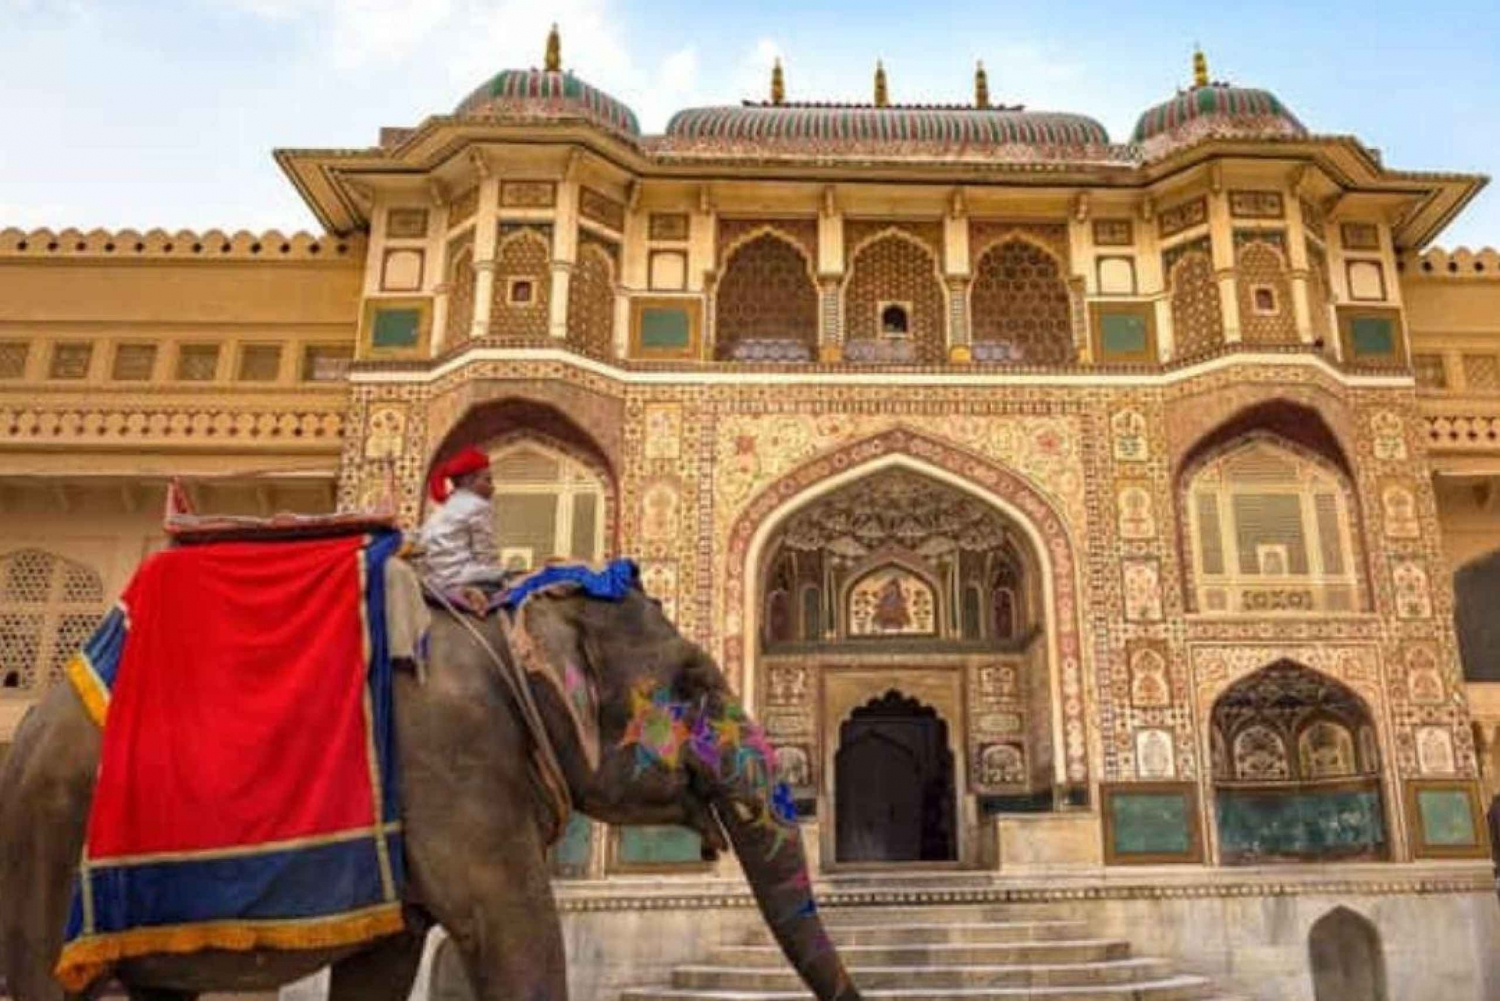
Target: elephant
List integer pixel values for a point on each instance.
(476, 828)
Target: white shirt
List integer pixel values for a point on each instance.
(458, 541)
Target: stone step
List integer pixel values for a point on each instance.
(1065, 950)
(784, 978)
(1174, 988)
(968, 931)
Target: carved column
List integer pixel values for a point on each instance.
(960, 337)
(1221, 237)
(830, 319)
(564, 253)
(1296, 256)
(486, 236)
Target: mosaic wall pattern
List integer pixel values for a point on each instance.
(896, 268)
(1262, 269)
(766, 295)
(700, 469)
(591, 298)
(524, 253)
(1197, 323)
(1020, 299)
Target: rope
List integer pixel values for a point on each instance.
(550, 773)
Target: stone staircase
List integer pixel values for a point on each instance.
(944, 953)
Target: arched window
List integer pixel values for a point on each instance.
(1348, 964)
(1271, 531)
(766, 306)
(547, 505)
(49, 606)
(461, 297)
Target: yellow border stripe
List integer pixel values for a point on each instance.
(89, 686)
(86, 959)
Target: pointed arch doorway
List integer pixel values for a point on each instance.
(893, 773)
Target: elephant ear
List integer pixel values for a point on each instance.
(553, 649)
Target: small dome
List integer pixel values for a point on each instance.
(1216, 109)
(824, 124)
(549, 94)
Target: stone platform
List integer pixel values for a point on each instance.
(1144, 933)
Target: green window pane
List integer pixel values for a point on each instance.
(1447, 818)
(396, 328)
(659, 845)
(665, 329)
(1122, 333)
(1150, 823)
(1373, 335)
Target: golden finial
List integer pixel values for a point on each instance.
(553, 62)
(981, 86)
(1200, 68)
(882, 98)
(778, 84)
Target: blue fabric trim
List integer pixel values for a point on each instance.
(104, 648)
(612, 583)
(377, 552)
(308, 882)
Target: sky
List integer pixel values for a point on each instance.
(164, 113)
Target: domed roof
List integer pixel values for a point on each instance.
(928, 125)
(1215, 108)
(549, 93)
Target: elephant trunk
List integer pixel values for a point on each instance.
(770, 851)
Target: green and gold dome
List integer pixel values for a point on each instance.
(549, 93)
(1214, 108)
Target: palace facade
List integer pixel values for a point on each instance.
(1062, 506)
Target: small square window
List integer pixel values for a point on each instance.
(893, 319)
(259, 363)
(326, 362)
(13, 358)
(197, 362)
(70, 360)
(521, 292)
(133, 362)
(1263, 300)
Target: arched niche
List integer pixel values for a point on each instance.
(1296, 773)
(541, 456)
(1345, 958)
(1476, 588)
(766, 301)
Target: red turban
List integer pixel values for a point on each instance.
(469, 460)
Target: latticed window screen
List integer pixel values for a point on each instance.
(259, 363)
(13, 359)
(197, 362)
(48, 607)
(1271, 532)
(133, 362)
(546, 505)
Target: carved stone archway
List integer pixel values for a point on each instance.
(991, 482)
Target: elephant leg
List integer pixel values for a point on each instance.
(383, 972)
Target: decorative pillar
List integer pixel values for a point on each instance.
(564, 252)
(1221, 240)
(440, 293)
(960, 350)
(956, 275)
(486, 236)
(830, 278)
(1297, 263)
(830, 319)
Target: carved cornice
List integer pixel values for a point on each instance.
(223, 428)
(1479, 433)
(156, 244)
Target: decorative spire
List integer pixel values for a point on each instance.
(882, 98)
(553, 61)
(1200, 68)
(981, 86)
(778, 83)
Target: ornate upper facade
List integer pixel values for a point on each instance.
(1078, 458)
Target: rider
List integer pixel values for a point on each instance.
(458, 538)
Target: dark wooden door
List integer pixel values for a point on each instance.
(893, 781)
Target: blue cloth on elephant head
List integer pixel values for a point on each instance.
(612, 583)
